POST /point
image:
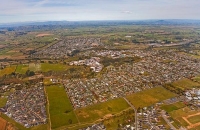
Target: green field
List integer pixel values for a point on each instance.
(21, 69)
(172, 107)
(45, 67)
(149, 97)
(185, 84)
(3, 101)
(97, 111)
(60, 108)
(194, 119)
(7, 70)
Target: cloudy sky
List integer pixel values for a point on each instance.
(79, 10)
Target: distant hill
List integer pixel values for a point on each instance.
(73, 24)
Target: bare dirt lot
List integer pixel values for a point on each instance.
(2, 124)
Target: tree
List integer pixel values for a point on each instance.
(30, 73)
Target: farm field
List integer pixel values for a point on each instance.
(149, 97)
(7, 70)
(101, 110)
(185, 84)
(60, 108)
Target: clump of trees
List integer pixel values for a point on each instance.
(30, 73)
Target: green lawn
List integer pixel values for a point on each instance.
(60, 108)
(7, 70)
(21, 69)
(173, 107)
(194, 119)
(97, 111)
(149, 97)
(3, 101)
(185, 84)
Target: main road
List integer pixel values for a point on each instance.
(167, 121)
(134, 110)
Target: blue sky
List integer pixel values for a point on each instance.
(80, 10)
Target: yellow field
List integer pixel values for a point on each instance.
(7, 70)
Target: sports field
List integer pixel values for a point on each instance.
(60, 108)
(149, 97)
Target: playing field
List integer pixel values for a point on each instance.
(7, 70)
(101, 110)
(186, 84)
(60, 108)
(149, 97)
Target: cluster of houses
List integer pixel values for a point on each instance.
(99, 126)
(149, 118)
(155, 68)
(67, 47)
(193, 96)
(92, 62)
(27, 106)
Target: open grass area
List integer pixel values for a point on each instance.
(45, 67)
(7, 70)
(172, 107)
(60, 108)
(101, 110)
(3, 101)
(186, 84)
(194, 119)
(149, 97)
(21, 69)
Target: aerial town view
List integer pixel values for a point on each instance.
(100, 65)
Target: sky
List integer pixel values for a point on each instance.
(86, 10)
